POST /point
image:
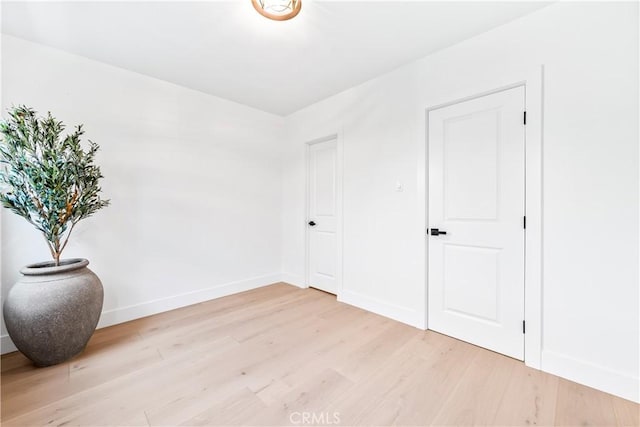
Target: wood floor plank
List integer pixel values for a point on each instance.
(306, 401)
(13, 360)
(578, 405)
(382, 391)
(280, 355)
(627, 412)
(362, 360)
(489, 372)
(329, 344)
(413, 392)
(124, 398)
(529, 399)
(237, 409)
(42, 385)
(207, 313)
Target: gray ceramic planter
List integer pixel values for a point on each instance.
(52, 312)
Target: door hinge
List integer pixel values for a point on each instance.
(524, 328)
(524, 222)
(524, 118)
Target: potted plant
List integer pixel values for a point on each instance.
(53, 183)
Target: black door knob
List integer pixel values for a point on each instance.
(311, 223)
(436, 232)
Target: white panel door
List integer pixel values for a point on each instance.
(476, 197)
(323, 216)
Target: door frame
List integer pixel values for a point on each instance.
(532, 81)
(339, 206)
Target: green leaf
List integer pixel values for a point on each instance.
(47, 179)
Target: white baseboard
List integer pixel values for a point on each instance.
(294, 279)
(124, 314)
(148, 308)
(592, 375)
(374, 305)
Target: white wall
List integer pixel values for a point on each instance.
(232, 207)
(590, 172)
(194, 183)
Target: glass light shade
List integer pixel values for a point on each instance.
(278, 10)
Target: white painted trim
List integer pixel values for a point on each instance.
(401, 314)
(340, 209)
(422, 187)
(294, 279)
(338, 136)
(534, 93)
(475, 96)
(160, 305)
(532, 80)
(592, 375)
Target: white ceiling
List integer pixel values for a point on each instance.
(226, 49)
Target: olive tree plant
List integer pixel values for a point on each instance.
(46, 178)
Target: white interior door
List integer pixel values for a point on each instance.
(323, 216)
(476, 197)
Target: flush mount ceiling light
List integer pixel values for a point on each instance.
(278, 10)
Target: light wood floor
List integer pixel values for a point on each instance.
(280, 355)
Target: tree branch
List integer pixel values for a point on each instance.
(53, 254)
(64, 245)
